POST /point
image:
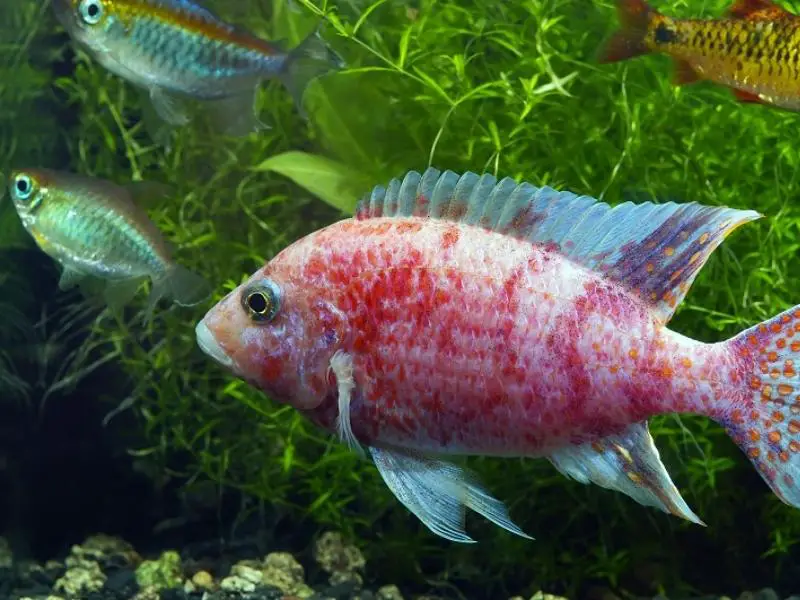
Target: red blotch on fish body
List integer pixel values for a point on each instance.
(450, 237)
(408, 227)
(486, 344)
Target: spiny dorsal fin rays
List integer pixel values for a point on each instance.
(654, 250)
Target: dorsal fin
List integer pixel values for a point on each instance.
(654, 250)
(756, 9)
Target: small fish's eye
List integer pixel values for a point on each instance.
(261, 301)
(91, 11)
(23, 187)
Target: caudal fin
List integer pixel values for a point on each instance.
(765, 423)
(311, 59)
(183, 286)
(630, 40)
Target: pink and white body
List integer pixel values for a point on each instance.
(458, 315)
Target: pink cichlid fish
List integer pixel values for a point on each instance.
(176, 49)
(459, 315)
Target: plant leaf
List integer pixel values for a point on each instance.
(331, 181)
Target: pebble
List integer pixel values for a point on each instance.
(203, 580)
(243, 578)
(341, 561)
(281, 570)
(163, 573)
(540, 595)
(389, 592)
(82, 577)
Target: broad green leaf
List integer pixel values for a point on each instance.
(331, 181)
(289, 23)
(347, 109)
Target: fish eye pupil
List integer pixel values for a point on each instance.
(261, 301)
(23, 187)
(257, 303)
(91, 11)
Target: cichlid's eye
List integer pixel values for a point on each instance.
(91, 11)
(262, 300)
(23, 187)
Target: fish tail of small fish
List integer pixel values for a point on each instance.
(308, 61)
(181, 285)
(763, 418)
(630, 40)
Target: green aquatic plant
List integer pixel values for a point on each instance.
(511, 88)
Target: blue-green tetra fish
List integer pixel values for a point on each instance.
(93, 228)
(177, 48)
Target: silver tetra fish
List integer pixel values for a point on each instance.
(177, 49)
(93, 228)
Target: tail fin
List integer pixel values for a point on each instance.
(629, 41)
(766, 423)
(183, 286)
(311, 59)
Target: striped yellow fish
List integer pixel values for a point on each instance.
(754, 50)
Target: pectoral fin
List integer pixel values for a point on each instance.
(437, 492)
(342, 367)
(628, 463)
(69, 278)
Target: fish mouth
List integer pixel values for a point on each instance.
(209, 344)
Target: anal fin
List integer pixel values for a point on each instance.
(235, 115)
(629, 463)
(684, 73)
(169, 107)
(747, 97)
(119, 293)
(437, 492)
(69, 278)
